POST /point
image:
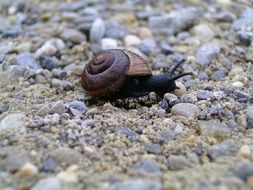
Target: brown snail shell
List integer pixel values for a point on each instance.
(108, 71)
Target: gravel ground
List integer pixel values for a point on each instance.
(200, 137)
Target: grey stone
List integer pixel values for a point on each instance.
(58, 107)
(185, 109)
(12, 32)
(11, 74)
(244, 171)
(166, 48)
(225, 16)
(3, 107)
(88, 123)
(249, 114)
(49, 183)
(218, 75)
(246, 37)
(59, 73)
(90, 11)
(4, 48)
(147, 46)
(214, 128)
(226, 148)
(136, 184)
(49, 62)
(49, 165)
(204, 95)
(114, 30)
(147, 165)
(29, 73)
(78, 105)
(2, 58)
(14, 123)
(3, 24)
(249, 54)
(64, 156)
(44, 110)
(178, 162)
(26, 60)
(62, 84)
(97, 30)
(131, 135)
(166, 137)
(245, 20)
(20, 18)
(73, 36)
(57, 43)
(175, 21)
(215, 109)
(188, 98)
(14, 162)
(206, 53)
(73, 6)
(153, 148)
(203, 75)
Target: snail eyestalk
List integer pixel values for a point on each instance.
(181, 75)
(176, 66)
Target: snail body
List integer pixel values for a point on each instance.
(123, 73)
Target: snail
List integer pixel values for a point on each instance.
(122, 73)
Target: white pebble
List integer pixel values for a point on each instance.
(245, 151)
(131, 40)
(28, 170)
(46, 50)
(108, 43)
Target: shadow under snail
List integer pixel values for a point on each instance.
(122, 73)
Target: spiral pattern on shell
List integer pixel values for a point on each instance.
(105, 73)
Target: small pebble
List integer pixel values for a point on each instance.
(226, 148)
(206, 53)
(28, 170)
(214, 128)
(131, 40)
(204, 95)
(245, 151)
(178, 162)
(218, 75)
(49, 165)
(148, 165)
(67, 177)
(153, 148)
(249, 115)
(78, 105)
(203, 75)
(26, 60)
(244, 171)
(14, 123)
(97, 30)
(62, 84)
(166, 48)
(185, 109)
(58, 107)
(46, 50)
(131, 135)
(108, 43)
(49, 63)
(136, 184)
(181, 91)
(48, 183)
(73, 36)
(171, 99)
(56, 42)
